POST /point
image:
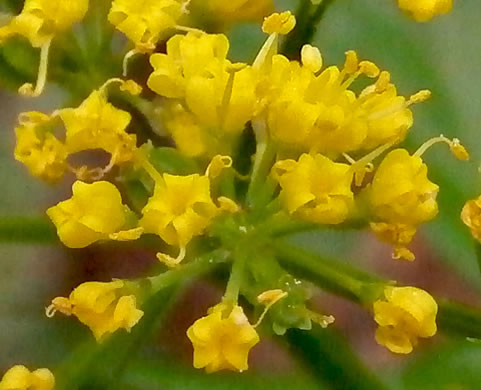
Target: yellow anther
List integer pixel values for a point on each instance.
(383, 81)
(269, 298)
(369, 69)
(279, 23)
(311, 58)
(419, 97)
(352, 62)
(458, 150)
(131, 87)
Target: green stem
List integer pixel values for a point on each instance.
(236, 277)
(305, 28)
(197, 267)
(38, 230)
(281, 225)
(453, 317)
(338, 278)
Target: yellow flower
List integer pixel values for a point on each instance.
(228, 12)
(94, 212)
(97, 124)
(186, 132)
(471, 216)
(20, 378)
(424, 10)
(316, 188)
(401, 191)
(290, 118)
(317, 112)
(145, 22)
(405, 314)
(222, 340)
(180, 209)
(103, 307)
(40, 20)
(43, 154)
(214, 99)
(388, 115)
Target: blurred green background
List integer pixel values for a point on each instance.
(443, 56)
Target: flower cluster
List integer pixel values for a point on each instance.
(328, 153)
(21, 378)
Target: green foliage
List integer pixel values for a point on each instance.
(330, 359)
(456, 365)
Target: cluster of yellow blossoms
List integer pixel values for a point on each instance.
(318, 144)
(20, 378)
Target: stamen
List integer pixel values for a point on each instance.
(149, 168)
(270, 298)
(170, 261)
(419, 97)
(189, 29)
(458, 150)
(28, 89)
(360, 173)
(126, 60)
(369, 69)
(50, 311)
(383, 81)
(368, 158)
(217, 165)
(352, 62)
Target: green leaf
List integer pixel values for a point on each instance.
(330, 359)
(452, 366)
